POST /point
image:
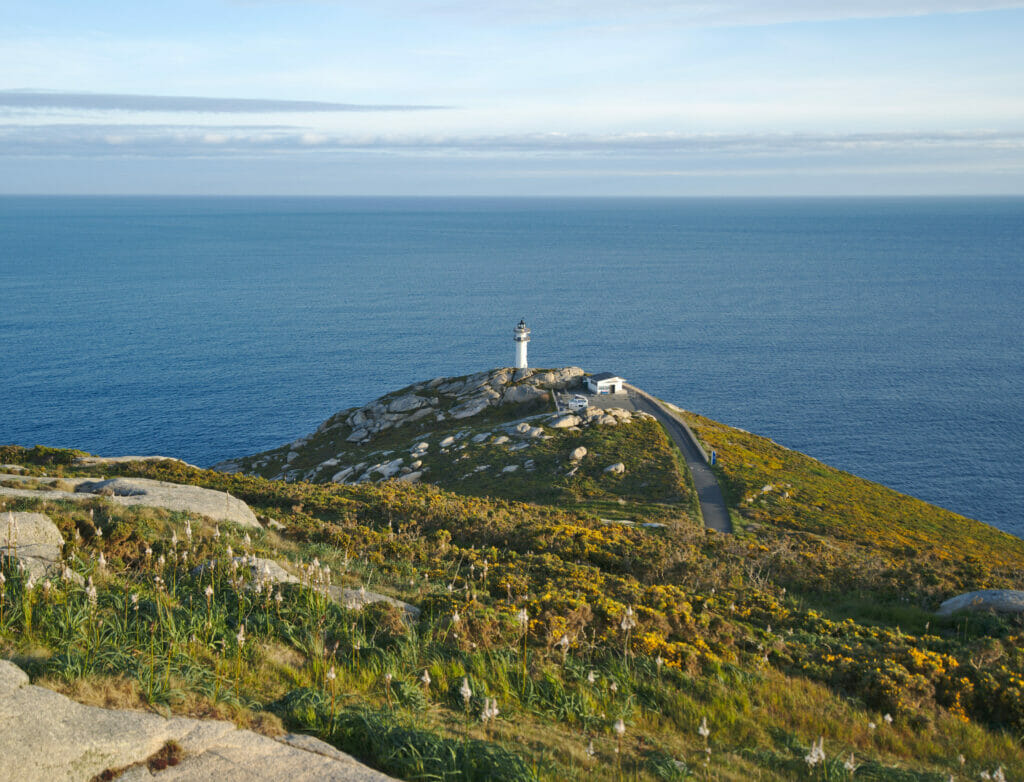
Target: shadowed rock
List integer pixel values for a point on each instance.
(47, 737)
(1001, 601)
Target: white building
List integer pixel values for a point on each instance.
(605, 383)
(521, 335)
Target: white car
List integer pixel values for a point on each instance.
(578, 403)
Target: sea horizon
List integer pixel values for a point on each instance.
(872, 332)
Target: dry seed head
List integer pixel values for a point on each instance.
(704, 731)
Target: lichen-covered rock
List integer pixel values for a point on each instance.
(216, 505)
(565, 421)
(47, 737)
(355, 599)
(618, 468)
(92, 461)
(33, 540)
(1002, 601)
(469, 408)
(521, 393)
(578, 453)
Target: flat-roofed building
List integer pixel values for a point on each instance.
(605, 383)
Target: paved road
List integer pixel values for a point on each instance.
(709, 493)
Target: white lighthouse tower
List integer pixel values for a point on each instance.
(521, 336)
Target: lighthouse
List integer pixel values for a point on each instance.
(521, 336)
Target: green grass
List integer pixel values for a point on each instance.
(777, 636)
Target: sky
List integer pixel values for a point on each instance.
(512, 97)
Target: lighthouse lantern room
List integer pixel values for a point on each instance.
(521, 336)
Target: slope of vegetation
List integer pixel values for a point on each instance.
(550, 645)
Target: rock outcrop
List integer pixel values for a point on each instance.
(93, 461)
(216, 505)
(34, 541)
(1001, 601)
(356, 599)
(47, 737)
(435, 401)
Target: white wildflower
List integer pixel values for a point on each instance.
(522, 617)
(620, 727)
(425, 678)
(241, 635)
(331, 675)
(208, 592)
(464, 691)
(628, 620)
(888, 719)
(817, 753)
(490, 710)
(591, 677)
(850, 764)
(91, 594)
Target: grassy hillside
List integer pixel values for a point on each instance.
(604, 647)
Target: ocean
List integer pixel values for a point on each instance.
(882, 336)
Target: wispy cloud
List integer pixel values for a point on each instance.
(694, 13)
(89, 101)
(162, 141)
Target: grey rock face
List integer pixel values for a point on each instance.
(578, 453)
(565, 421)
(407, 403)
(1002, 601)
(33, 540)
(50, 738)
(618, 468)
(469, 408)
(342, 475)
(216, 505)
(521, 393)
(91, 461)
(355, 599)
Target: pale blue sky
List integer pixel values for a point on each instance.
(660, 97)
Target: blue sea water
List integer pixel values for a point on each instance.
(882, 336)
